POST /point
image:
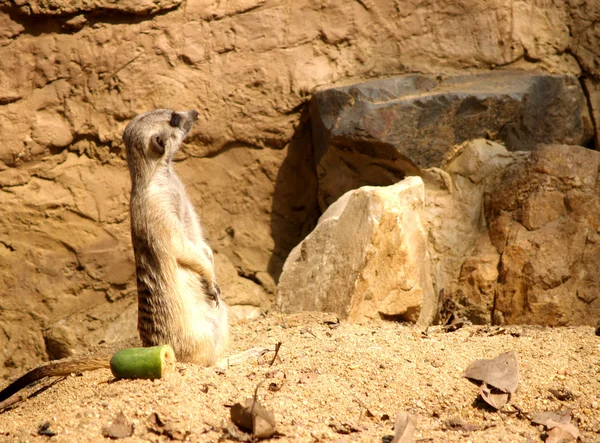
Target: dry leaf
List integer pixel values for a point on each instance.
(254, 417)
(160, 426)
(501, 372)
(493, 397)
(120, 428)
(560, 428)
(368, 413)
(543, 418)
(404, 428)
(561, 432)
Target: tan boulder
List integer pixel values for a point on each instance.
(544, 218)
(464, 263)
(514, 235)
(366, 258)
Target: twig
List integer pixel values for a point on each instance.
(255, 398)
(16, 399)
(362, 405)
(10, 402)
(308, 331)
(277, 346)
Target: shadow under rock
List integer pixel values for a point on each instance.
(295, 211)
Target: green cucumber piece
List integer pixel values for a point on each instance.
(147, 363)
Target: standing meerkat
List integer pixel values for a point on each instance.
(178, 297)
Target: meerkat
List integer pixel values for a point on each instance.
(178, 297)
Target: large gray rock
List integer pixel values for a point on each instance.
(377, 132)
(367, 258)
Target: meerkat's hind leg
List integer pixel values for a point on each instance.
(241, 357)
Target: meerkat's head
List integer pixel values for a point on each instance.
(153, 137)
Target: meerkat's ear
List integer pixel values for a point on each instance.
(158, 143)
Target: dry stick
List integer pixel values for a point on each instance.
(308, 331)
(16, 399)
(10, 402)
(277, 346)
(361, 404)
(255, 399)
(282, 322)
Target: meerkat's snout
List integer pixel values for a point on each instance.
(183, 120)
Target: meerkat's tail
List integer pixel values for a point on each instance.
(54, 370)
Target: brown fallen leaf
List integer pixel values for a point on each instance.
(160, 426)
(560, 428)
(404, 428)
(120, 428)
(561, 432)
(543, 418)
(493, 397)
(501, 372)
(254, 417)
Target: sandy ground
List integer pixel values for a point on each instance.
(336, 383)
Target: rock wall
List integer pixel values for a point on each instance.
(73, 73)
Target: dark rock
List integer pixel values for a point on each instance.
(377, 132)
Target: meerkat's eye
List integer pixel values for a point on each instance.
(175, 120)
(158, 143)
